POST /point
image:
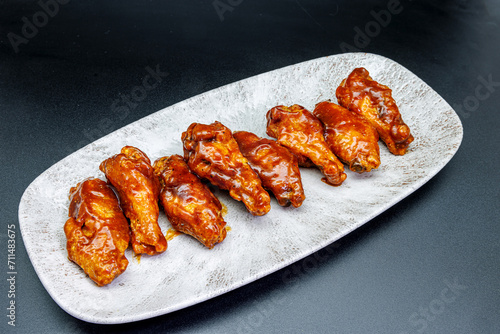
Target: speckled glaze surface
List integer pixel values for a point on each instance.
(188, 273)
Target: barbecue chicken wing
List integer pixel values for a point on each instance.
(97, 232)
(363, 95)
(300, 131)
(188, 203)
(212, 153)
(276, 166)
(350, 137)
(131, 173)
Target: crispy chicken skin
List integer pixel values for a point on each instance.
(366, 97)
(97, 232)
(350, 137)
(188, 203)
(276, 166)
(212, 153)
(131, 173)
(302, 133)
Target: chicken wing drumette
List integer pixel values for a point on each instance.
(97, 232)
(350, 137)
(212, 153)
(374, 101)
(302, 133)
(188, 203)
(276, 166)
(131, 173)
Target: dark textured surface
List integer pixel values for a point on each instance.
(393, 275)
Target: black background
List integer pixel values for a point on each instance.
(385, 277)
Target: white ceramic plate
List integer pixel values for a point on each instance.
(187, 273)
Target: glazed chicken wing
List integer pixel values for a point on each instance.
(363, 95)
(299, 130)
(276, 166)
(97, 232)
(188, 203)
(350, 137)
(131, 173)
(212, 153)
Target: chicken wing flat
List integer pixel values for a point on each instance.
(97, 232)
(212, 153)
(363, 95)
(188, 203)
(131, 173)
(277, 168)
(350, 137)
(302, 133)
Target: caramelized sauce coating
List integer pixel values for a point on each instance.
(350, 137)
(302, 133)
(276, 166)
(188, 203)
(212, 153)
(131, 173)
(366, 97)
(97, 232)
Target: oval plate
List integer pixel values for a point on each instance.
(187, 273)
